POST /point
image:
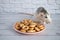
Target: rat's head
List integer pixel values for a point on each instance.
(43, 15)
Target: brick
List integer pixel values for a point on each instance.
(26, 1)
(1, 8)
(28, 6)
(57, 11)
(16, 1)
(11, 7)
(4, 1)
(27, 10)
(21, 1)
(51, 2)
(52, 7)
(51, 11)
(57, 2)
(39, 2)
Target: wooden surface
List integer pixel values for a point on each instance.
(52, 31)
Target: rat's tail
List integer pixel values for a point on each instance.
(26, 14)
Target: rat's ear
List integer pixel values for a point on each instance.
(41, 9)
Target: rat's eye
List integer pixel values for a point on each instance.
(45, 16)
(41, 15)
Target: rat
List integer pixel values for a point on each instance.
(41, 15)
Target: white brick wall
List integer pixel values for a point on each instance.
(29, 6)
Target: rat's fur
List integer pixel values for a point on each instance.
(41, 11)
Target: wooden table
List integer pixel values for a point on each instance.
(52, 31)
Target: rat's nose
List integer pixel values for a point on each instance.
(48, 21)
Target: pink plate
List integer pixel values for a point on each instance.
(24, 32)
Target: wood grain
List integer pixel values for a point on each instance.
(7, 21)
